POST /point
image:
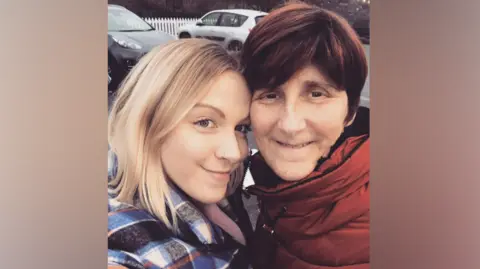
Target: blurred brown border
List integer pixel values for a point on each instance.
(54, 147)
(425, 180)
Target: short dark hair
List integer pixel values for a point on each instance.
(298, 34)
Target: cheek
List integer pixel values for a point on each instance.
(243, 145)
(177, 145)
(328, 121)
(329, 129)
(182, 152)
(263, 118)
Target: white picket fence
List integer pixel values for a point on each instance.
(169, 25)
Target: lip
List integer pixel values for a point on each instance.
(293, 146)
(220, 175)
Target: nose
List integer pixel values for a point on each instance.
(230, 149)
(291, 121)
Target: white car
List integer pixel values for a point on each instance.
(227, 26)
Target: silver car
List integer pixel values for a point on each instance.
(227, 26)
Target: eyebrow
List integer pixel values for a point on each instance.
(306, 84)
(314, 83)
(217, 110)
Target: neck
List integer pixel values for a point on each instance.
(218, 217)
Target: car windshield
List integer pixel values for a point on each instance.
(126, 21)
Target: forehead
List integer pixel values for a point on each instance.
(310, 74)
(229, 93)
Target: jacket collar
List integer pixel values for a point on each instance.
(349, 162)
(192, 219)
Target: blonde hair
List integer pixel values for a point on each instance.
(155, 96)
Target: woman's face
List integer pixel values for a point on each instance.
(210, 142)
(297, 123)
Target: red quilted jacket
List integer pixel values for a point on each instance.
(322, 221)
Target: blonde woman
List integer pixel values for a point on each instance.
(177, 133)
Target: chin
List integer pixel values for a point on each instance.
(211, 198)
(294, 174)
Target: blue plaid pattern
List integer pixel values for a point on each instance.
(137, 239)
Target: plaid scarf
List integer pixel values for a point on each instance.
(137, 239)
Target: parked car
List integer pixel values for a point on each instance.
(129, 38)
(227, 26)
(365, 96)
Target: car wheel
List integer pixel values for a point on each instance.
(184, 35)
(235, 46)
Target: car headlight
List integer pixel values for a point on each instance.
(127, 44)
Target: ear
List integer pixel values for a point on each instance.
(351, 120)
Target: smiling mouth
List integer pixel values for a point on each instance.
(294, 146)
(219, 176)
(218, 172)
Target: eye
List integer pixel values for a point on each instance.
(316, 94)
(205, 123)
(243, 128)
(270, 95)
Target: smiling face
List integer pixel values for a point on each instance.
(210, 143)
(297, 123)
